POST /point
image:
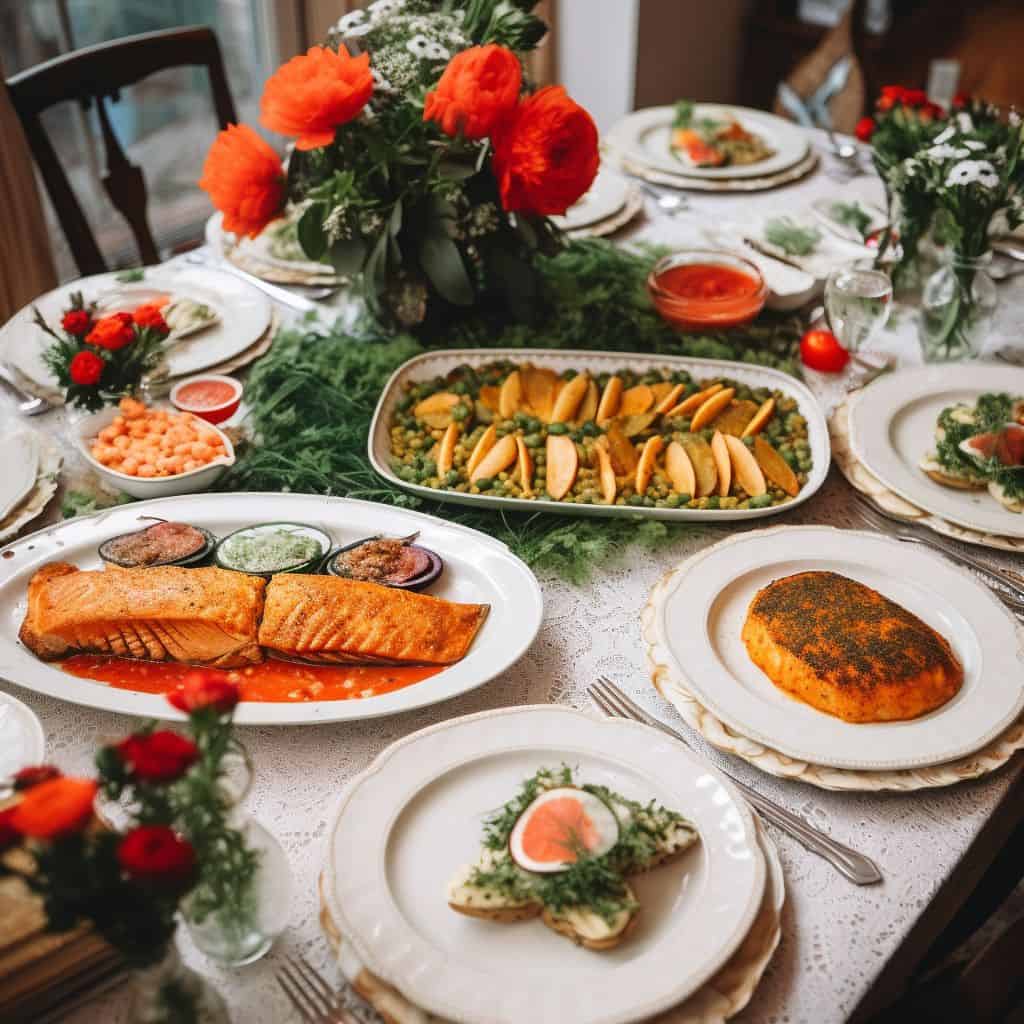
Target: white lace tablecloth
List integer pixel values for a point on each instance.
(837, 937)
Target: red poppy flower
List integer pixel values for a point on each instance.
(313, 94)
(545, 153)
(865, 129)
(202, 688)
(112, 332)
(86, 368)
(479, 86)
(243, 177)
(149, 315)
(76, 322)
(915, 98)
(54, 808)
(33, 775)
(890, 96)
(161, 756)
(157, 855)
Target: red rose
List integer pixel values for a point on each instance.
(890, 96)
(930, 111)
(961, 100)
(112, 332)
(156, 854)
(76, 322)
(545, 153)
(33, 775)
(203, 688)
(158, 756)
(865, 129)
(86, 368)
(915, 98)
(479, 86)
(149, 315)
(9, 835)
(54, 808)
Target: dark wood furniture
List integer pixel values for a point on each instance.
(94, 75)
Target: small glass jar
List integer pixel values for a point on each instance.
(169, 992)
(958, 303)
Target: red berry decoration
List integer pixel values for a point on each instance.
(820, 350)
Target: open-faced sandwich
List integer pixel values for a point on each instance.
(981, 446)
(713, 142)
(563, 852)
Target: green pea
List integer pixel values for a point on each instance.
(761, 501)
(451, 477)
(557, 429)
(591, 429)
(532, 440)
(713, 502)
(675, 500)
(636, 500)
(460, 412)
(486, 483)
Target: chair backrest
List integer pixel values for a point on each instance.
(96, 74)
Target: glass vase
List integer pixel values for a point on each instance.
(958, 303)
(171, 993)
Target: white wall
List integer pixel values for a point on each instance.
(597, 55)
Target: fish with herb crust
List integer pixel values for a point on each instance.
(563, 852)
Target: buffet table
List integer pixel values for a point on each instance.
(844, 949)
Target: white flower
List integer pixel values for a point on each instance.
(946, 134)
(964, 122)
(1014, 118)
(348, 22)
(974, 144)
(946, 152)
(968, 172)
(419, 45)
(380, 83)
(435, 51)
(381, 9)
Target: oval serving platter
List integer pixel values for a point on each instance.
(479, 569)
(439, 363)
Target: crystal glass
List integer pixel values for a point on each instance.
(957, 306)
(858, 301)
(169, 992)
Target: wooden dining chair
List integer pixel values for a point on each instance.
(95, 75)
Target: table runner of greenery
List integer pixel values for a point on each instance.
(312, 398)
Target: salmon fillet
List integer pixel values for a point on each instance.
(164, 613)
(325, 618)
(843, 648)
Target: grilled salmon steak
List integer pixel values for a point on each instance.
(843, 648)
(206, 616)
(329, 619)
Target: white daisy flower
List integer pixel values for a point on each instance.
(380, 83)
(974, 144)
(1014, 118)
(418, 46)
(946, 152)
(969, 172)
(348, 22)
(964, 122)
(381, 9)
(945, 135)
(435, 51)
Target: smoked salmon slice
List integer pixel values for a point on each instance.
(205, 616)
(326, 618)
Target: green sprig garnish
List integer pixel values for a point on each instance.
(794, 239)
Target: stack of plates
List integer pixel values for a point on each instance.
(610, 204)
(403, 828)
(242, 333)
(32, 465)
(640, 142)
(692, 627)
(258, 257)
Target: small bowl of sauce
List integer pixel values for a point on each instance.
(212, 396)
(707, 288)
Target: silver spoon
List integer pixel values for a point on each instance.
(668, 202)
(844, 150)
(28, 405)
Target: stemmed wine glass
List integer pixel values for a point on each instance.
(858, 301)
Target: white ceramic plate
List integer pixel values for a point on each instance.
(434, 364)
(605, 198)
(477, 569)
(21, 467)
(700, 620)
(892, 425)
(245, 316)
(22, 742)
(258, 249)
(42, 490)
(407, 823)
(644, 136)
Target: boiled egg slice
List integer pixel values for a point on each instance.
(561, 826)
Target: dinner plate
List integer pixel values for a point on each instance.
(644, 136)
(439, 363)
(43, 488)
(700, 619)
(604, 198)
(415, 816)
(22, 742)
(257, 250)
(892, 425)
(478, 569)
(21, 467)
(245, 314)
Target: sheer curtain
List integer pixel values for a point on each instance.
(26, 262)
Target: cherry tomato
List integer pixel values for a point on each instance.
(820, 350)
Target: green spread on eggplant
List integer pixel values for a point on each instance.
(597, 883)
(991, 413)
(268, 551)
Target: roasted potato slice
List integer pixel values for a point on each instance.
(690, 405)
(680, 470)
(606, 474)
(563, 464)
(540, 386)
(446, 451)
(704, 469)
(588, 407)
(570, 398)
(621, 451)
(745, 468)
(499, 458)
(760, 418)
(723, 464)
(636, 400)
(734, 418)
(637, 424)
(645, 466)
(611, 398)
(510, 398)
(707, 412)
(484, 444)
(775, 467)
(524, 466)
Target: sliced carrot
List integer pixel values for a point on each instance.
(445, 454)
(711, 408)
(694, 402)
(760, 418)
(611, 397)
(670, 399)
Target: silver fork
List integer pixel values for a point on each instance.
(1005, 587)
(855, 866)
(310, 993)
(28, 405)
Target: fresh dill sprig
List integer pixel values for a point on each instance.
(794, 239)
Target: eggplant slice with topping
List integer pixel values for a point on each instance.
(163, 543)
(391, 561)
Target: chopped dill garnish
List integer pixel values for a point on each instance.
(794, 239)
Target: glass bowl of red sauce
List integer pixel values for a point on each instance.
(706, 288)
(211, 396)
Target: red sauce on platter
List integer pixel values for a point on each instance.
(707, 294)
(205, 394)
(270, 681)
(707, 281)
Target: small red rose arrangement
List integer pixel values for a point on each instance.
(421, 160)
(178, 842)
(100, 359)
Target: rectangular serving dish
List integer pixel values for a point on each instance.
(441, 362)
